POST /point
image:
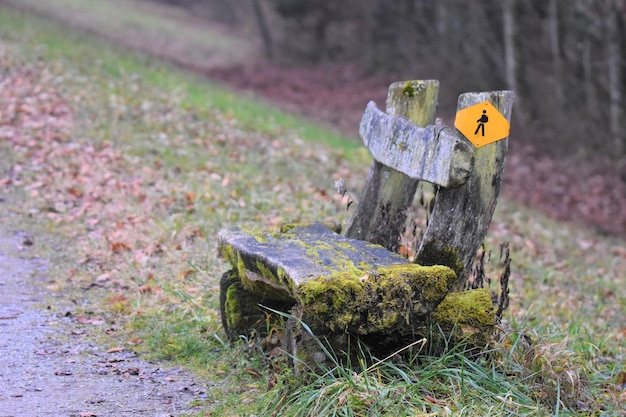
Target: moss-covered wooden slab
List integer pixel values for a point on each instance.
(339, 284)
(284, 261)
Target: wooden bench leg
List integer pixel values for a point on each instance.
(461, 216)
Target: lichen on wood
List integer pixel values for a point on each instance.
(240, 309)
(344, 288)
(299, 254)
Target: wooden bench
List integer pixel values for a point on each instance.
(356, 283)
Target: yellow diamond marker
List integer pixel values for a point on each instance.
(482, 124)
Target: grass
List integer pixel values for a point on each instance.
(197, 92)
(123, 18)
(133, 167)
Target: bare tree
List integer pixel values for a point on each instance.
(615, 76)
(555, 49)
(266, 36)
(510, 59)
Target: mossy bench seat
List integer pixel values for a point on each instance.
(339, 286)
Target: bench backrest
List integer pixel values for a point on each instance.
(407, 148)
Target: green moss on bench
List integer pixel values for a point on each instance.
(341, 284)
(391, 298)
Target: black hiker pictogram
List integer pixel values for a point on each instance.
(481, 123)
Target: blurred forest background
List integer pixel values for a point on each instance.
(565, 59)
(325, 59)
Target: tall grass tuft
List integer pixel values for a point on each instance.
(408, 382)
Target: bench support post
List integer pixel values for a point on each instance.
(382, 209)
(461, 215)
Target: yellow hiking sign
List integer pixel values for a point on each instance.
(482, 124)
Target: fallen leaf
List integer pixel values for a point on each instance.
(103, 277)
(115, 349)
(187, 273)
(431, 399)
(193, 290)
(117, 298)
(133, 371)
(342, 398)
(405, 251)
(144, 289)
(275, 352)
(75, 192)
(253, 372)
(119, 247)
(275, 221)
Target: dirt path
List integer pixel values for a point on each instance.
(50, 367)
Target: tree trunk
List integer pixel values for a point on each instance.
(555, 49)
(259, 15)
(510, 61)
(591, 101)
(615, 86)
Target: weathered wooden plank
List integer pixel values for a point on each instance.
(435, 154)
(339, 284)
(461, 216)
(283, 262)
(382, 208)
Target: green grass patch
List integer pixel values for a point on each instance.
(136, 166)
(136, 21)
